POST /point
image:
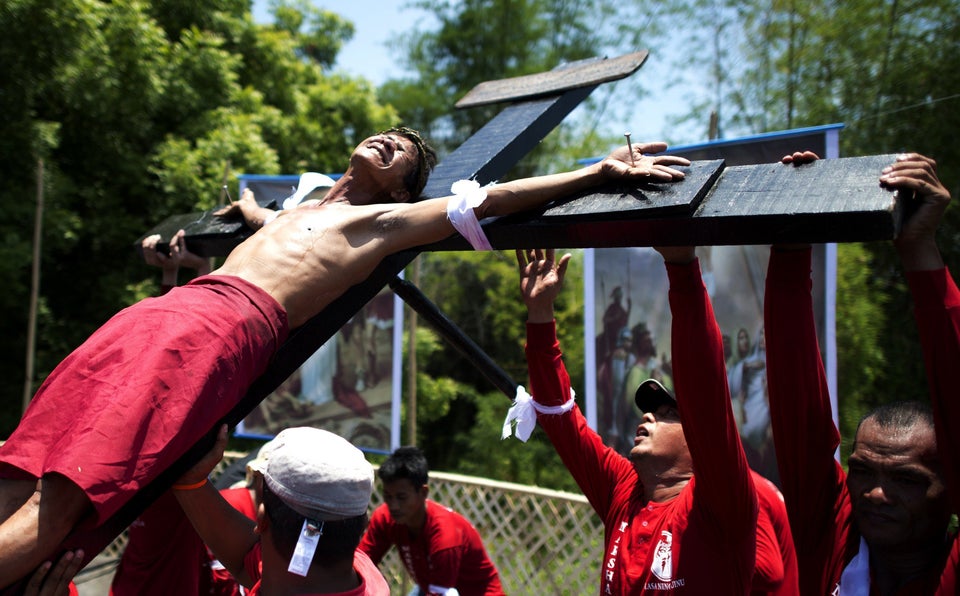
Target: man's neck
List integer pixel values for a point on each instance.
(415, 527)
(276, 581)
(892, 568)
(351, 189)
(662, 484)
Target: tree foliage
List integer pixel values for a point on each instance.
(476, 41)
(460, 413)
(138, 109)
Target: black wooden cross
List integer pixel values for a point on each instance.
(539, 103)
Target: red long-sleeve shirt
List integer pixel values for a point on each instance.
(814, 484)
(701, 542)
(448, 552)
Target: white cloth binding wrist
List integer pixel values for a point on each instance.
(467, 195)
(524, 412)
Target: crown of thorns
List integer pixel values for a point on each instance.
(426, 157)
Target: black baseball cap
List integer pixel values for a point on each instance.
(651, 394)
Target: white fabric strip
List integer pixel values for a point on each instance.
(443, 591)
(467, 194)
(306, 547)
(524, 412)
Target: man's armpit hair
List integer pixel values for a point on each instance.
(388, 222)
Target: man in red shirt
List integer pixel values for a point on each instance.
(315, 492)
(666, 530)
(164, 554)
(776, 571)
(441, 550)
(881, 528)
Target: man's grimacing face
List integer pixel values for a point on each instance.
(387, 158)
(898, 495)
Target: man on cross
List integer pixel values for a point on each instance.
(159, 375)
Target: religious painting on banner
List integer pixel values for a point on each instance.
(632, 336)
(345, 387)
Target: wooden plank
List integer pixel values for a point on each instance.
(837, 200)
(205, 234)
(640, 201)
(490, 152)
(583, 73)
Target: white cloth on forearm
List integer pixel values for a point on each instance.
(467, 194)
(524, 412)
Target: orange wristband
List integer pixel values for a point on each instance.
(193, 486)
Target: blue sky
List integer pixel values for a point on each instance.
(377, 21)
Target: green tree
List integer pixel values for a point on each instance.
(889, 72)
(477, 41)
(460, 414)
(137, 109)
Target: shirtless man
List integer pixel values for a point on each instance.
(159, 375)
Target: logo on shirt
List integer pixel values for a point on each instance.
(662, 567)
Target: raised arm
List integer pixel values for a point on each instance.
(936, 298)
(227, 532)
(805, 436)
(426, 221)
(723, 480)
(596, 468)
(179, 256)
(915, 179)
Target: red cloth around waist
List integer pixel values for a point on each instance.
(145, 387)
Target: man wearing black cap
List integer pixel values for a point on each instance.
(315, 490)
(774, 537)
(665, 531)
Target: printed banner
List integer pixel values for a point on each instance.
(632, 342)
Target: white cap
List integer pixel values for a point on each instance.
(318, 474)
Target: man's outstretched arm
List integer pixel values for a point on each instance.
(426, 221)
(936, 299)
